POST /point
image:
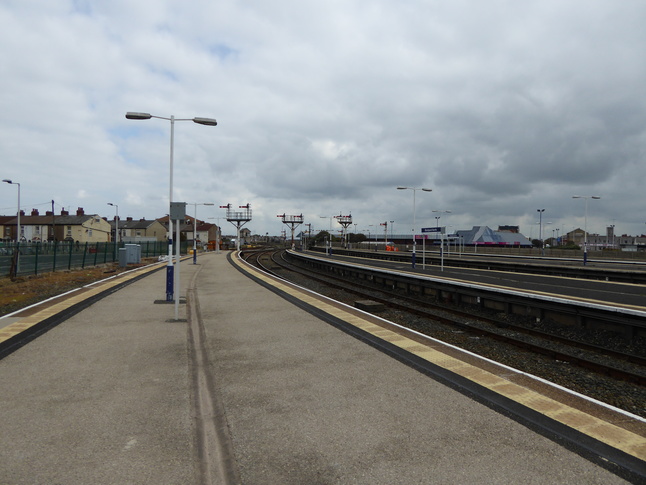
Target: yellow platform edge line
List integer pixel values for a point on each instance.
(92, 289)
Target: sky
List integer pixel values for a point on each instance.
(324, 108)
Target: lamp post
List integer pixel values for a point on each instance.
(372, 225)
(414, 189)
(585, 224)
(217, 234)
(169, 267)
(540, 229)
(437, 218)
(328, 251)
(116, 229)
(195, 204)
(18, 221)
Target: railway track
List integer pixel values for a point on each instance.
(621, 371)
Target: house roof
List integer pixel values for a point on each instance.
(132, 224)
(47, 220)
(205, 226)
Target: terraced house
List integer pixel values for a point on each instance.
(60, 227)
(138, 231)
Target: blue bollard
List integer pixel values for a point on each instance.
(170, 270)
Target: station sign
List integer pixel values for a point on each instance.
(441, 230)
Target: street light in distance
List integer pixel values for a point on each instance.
(414, 189)
(585, 224)
(116, 229)
(9, 181)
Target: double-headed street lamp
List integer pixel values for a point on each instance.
(195, 204)
(328, 251)
(585, 224)
(18, 221)
(169, 268)
(540, 229)
(116, 229)
(414, 189)
(437, 218)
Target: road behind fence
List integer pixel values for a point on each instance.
(42, 257)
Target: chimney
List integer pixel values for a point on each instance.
(128, 218)
(22, 213)
(80, 211)
(64, 212)
(34, 212)
(49, 213)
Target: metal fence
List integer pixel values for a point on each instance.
(21, 259)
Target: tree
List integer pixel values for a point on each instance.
(356, 238)
(320, 238)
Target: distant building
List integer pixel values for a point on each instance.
(5, 227)
(141, 230)
(485, 236)
(64, 227)
(205, 232)
(609, 241)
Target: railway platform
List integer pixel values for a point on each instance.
(261, 383)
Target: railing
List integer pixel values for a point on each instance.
(22, 259)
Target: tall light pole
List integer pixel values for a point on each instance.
(328, 251)
(540, 229)
(373, 225)
(116, 229)
(195, 204)
(585, 224)
(217, 234)
(18, 221)
(169, 267)
(414, 189)
(437, 218)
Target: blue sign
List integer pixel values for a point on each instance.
(432, 229)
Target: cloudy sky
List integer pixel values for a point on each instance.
(325, 107)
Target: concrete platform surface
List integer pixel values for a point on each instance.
(111, 396)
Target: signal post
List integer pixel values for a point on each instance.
(345, 221)
(293, 222)
(238, 218)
